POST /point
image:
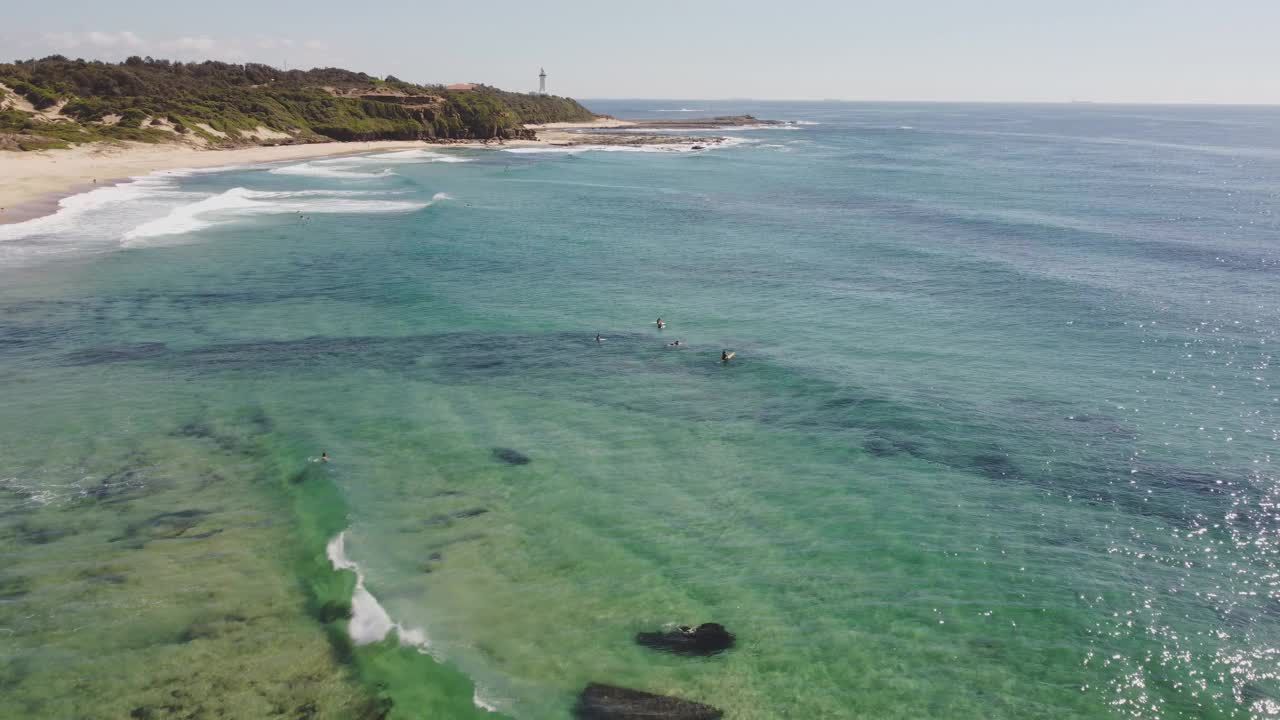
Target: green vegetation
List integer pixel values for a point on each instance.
(151, 100)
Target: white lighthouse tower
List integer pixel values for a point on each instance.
(542, 81)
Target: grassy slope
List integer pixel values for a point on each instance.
(233, 100)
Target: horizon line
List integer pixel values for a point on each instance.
(1148, 103)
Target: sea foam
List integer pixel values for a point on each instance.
(321, 169)
(370, 622)
(413, 156)
(653, 148)
(241, 202)
(399, 157)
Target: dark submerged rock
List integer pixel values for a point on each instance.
(706, 639)
(30, 534)
(333, 610)
(609, 702)
(469, 537)
(994, 465)
(459, 515)
(195, 429)
(118, 353)
(121, 486)
(511, 457)
(258, 420)
(312, 471)
(14, 586)
(883, 445)
(165, 526)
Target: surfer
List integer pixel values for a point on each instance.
(674, 344)
(660, 324)
(724, 356)
(598, 338)
(324, 457)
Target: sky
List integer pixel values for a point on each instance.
(1139, 51)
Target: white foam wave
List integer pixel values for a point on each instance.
(323, 193)
(419, 156)
(574, 149)
(686, 110)
(154, 205)
(321, 170)
(766, 126)
(481, 702)
(703, 129)
(652, 148)
(241, 202)
(91, 221)
(187, 218)
(370, 622)
(399, 156)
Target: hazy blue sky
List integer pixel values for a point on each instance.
(1113, 50)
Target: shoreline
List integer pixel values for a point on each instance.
(35, 182)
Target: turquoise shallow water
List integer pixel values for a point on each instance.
(996, 442)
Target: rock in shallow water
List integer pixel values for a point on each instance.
(511, 457)
(707, 639)
(609, 702)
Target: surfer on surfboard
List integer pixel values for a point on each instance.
(726, 356)
(598, 338)
(660, 324)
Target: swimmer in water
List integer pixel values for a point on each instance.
(324, 457)
(674, 344)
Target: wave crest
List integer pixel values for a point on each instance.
(319, 169)
(241, 202)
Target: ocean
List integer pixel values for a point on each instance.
(996, 441)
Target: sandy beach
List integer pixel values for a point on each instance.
(32, 183)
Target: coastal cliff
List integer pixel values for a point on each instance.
(56, 102)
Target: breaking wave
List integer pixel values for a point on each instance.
(241, 202)
(399, 156)
(654, 148)
(321, 169)
(370, 622)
